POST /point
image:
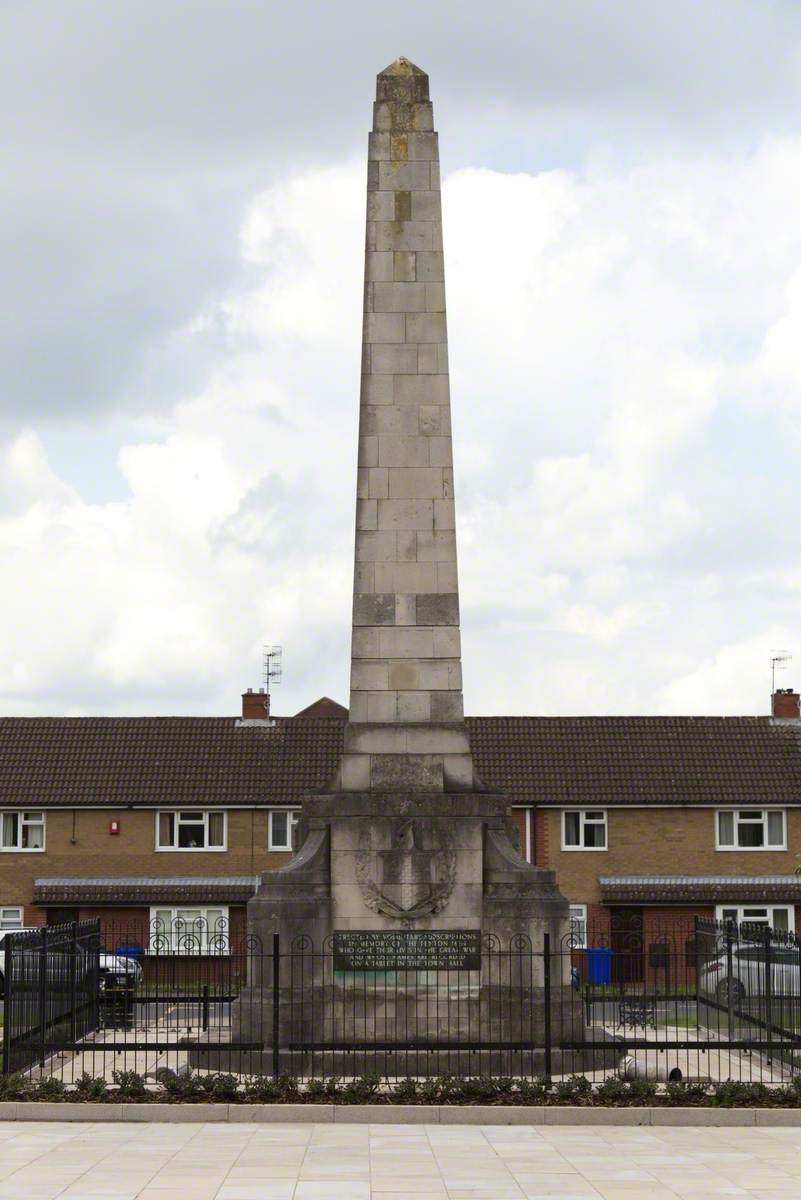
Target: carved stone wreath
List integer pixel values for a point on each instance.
(438, 864)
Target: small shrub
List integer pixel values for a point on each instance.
(576, 1089)
(130, 1085)
(641, 1091)
(730, 1093)
(14, 1087)
(221, 1089)
(405, 1091)
(184, 1089)
(612, 1091)
(49, 1088)
(262, 1089)
(533, 1091)
(478, 1090)
(318, 1091)
(360, 1091)
(89, 1087)
(686, 1091)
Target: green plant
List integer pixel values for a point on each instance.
(130, 1085)
(222, 1089)
(14, 1087)
(262, 1089)
(729, 1093)
(612, 1091)
(184, 1088)
(641, 1091)
(405, 1091)
(686, 1091)
(533, 1091)
(320, 1091)
(88, 1087)
(48, 1088)
(361, 1090)
(576, 1089)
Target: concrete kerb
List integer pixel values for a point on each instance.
(397, 1114)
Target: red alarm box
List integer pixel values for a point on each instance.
(114, 828)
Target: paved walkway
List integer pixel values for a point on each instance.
(393, 1162)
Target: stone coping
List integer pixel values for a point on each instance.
(395, 1114)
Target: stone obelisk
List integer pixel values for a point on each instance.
(406, 714)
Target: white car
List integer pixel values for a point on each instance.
(115, 966)
(748, 975)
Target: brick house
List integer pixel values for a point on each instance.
(648, 821)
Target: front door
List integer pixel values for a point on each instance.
(627, 946)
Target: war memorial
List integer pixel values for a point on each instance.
(408, 911)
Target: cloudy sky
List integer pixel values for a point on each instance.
(183, 209)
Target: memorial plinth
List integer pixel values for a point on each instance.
(406, 839)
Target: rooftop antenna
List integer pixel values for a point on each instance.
(272, 668)
(778, 661)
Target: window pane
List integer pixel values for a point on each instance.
(750, 833)
(11, 918)
(781, 919)
(216, 829)
(572, 828)
(775, 828)
(191, 835)
(166, 829)
(10, 829)
(594, 834)
(33, 834)
(279, 829)
(726, 829)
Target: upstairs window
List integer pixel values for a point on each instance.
(190, 829)
(22, 831)
(281, 832)
(584, 829)
(751, 829)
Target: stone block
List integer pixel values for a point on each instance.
(372, 739)
(380, 207)
(597, 1116)
(355, 772)
(438, 546)
(414, 706)
(436, 739)
(447, 480)
(364, 577)
(399, 772)
(403, 235)
(406, 642)
(422, 115)
(394, 451)
(425, 326)
(378, 148)
(379, 267)
(407, 545)
(389, 418)
(447, 642)
(377, 608)
(442, 356)
(407, 176)
(382, 706)
(427, 359)
(778, 1116)
(400, 298)
(385, 326)
(444, 514)
(410, 577)
(458, 769)
(369, 676)
(404, 268)
(417, 390)
(438, 608)
(378, 483)
(382, 116)
(367, 514)
(435, 298)
(433, 177)
(175, 1114)
(290, 1114)
(432, 676)
(423, 146)
(446, 706)
(405, 610)
(370, 233)
(406, 514)
(386, 1114)
(368, 451)
(358, 706)
(490, 1114)
(362, 483)
(429, 419)
(415, 482)
(404, 676)
(427, 206)
(431, 266)
(455, 676)
(441, 451)
(393, 360)
(378, 389)
(375, 546)
(447, 577)
(368, 298)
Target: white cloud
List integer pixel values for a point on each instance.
(608, 331)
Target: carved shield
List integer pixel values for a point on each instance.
(406, 868)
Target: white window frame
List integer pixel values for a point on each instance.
(24, 819)
(768, 909)
(583, 822)
(177, 813)
(737, 821)
(293, 815)
(5, 909)
(198, 939)
(578, 926)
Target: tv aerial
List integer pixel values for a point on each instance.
(272, 668)
(778, 661)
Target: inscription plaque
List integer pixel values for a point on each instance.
(407, 950)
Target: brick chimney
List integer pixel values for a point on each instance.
(786, 705)
(255, 705)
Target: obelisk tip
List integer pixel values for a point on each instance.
(401, 67)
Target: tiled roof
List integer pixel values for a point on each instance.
(127, 890)
(620, 889)
(192, 761)
(639, 760)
